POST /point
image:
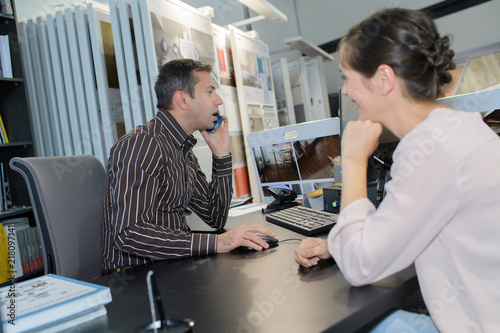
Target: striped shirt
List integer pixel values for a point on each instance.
(152, 177)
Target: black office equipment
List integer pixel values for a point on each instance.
(163, 324)
(305, 221)
(331, 198)
(298, 156)
(383, 178)
(273, 242)
(282, 193)
(284, 197)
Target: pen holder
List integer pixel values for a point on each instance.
(163, 324)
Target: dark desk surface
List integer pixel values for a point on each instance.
(250, 292)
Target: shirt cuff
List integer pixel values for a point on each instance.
(203, 244)
(222, 166)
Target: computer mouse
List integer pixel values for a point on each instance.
(273, 242)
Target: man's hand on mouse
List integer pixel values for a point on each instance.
(244, 235)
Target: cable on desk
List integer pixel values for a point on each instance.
(290, 239)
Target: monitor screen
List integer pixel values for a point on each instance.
(300, 156)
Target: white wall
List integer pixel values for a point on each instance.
(321, 21)
(473, 28)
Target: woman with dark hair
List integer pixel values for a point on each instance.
(441, 209)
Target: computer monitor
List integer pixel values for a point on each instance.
(300, 156)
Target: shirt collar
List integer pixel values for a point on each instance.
(180, 137)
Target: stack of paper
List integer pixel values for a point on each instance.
(51, 303)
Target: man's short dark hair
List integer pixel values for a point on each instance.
(177, 75)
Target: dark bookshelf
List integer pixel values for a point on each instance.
(16, 211)
(15, 113)
(16, 117)
(25, 277)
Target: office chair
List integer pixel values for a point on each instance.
(67, 196)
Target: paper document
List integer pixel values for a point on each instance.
(245, 209)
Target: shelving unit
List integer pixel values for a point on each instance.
(15, 113)
(14, 109)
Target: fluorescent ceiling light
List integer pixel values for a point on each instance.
(208, 11)
(299, 43)
(265, 9)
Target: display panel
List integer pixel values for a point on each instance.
(300, 156)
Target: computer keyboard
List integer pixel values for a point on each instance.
(305, 221)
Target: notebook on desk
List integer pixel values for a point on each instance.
(300, 156)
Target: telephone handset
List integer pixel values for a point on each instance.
(216, 124)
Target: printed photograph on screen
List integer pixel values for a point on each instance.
(275, 163)
(316, 157)
(309, 159)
